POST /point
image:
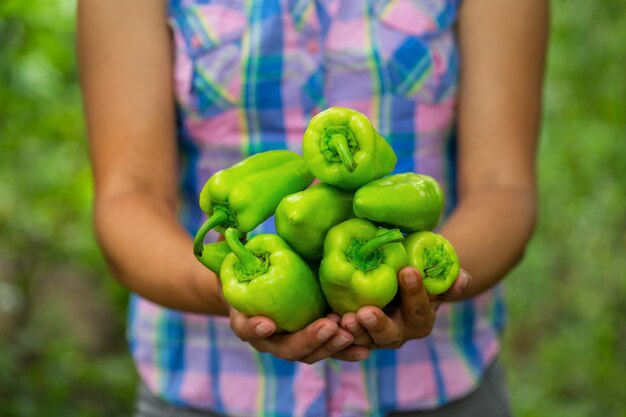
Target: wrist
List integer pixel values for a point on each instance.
(207, 291)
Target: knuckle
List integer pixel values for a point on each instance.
(422, 310)
(243, 336)
(362, 341)
(379, 326)
(239, 330)
(311, 343)
(339, 342)
(411, 292)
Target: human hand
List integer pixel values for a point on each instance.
(459, 290)
(413, 319)
(319, 340)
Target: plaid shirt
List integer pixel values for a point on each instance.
(248, 77)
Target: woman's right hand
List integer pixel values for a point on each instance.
(322, 339)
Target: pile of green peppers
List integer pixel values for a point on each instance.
(339, 243)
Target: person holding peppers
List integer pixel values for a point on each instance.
(177, 90)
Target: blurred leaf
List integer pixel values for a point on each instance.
(566, 337)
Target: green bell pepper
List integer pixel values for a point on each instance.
(343, 149)
(246, 194)
(408, 201)
(304, 218)
(360, 265)
(267, 278)
(435, 258)
(213, 255)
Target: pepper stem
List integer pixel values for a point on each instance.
(372, 245)
(250, 264)
(437, 262)
(339, 143)
(218, 217)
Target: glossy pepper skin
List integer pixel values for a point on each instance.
(435, 258)
(343, 149)
(409, 201)
(213, 255)
(267, 278)
(304, 218)
(360, 265)
(246, 194)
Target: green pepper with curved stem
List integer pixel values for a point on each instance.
(435, 258)
(213, 255)
(304, 218)
(267, 278)
(343, 149)
(246, 194)
(360, 265)
(409, 201)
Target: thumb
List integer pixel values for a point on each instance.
(459, 290)
(251, 328)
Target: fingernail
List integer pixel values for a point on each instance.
(410, 279)
(353, 326)
(262, 329)
(350, 323)
(324, 333)
(334, 318)
(340, 341)
(369, 318)
(464, 280)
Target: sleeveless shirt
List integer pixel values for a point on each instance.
(248, 77)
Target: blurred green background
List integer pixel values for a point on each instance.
(62, 347)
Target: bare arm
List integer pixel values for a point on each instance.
(503, 46)
(125, 64)
(126, 75)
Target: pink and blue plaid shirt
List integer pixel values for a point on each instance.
(248, 77)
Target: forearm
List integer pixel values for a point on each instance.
(502, 49)
(126, 75)
(490, 230)
(151, 254)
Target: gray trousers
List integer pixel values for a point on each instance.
(490, 399)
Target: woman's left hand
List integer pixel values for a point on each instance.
(413, 319)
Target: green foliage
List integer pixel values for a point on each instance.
(52, 363)
(566, 340)
(62, 349)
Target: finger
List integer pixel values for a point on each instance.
(251, 328)
(352, 354)
(341, 340)
(415, 303)
(362, 337)
(459, 290)
(334, 317)
(384, 331)
(297, 345)
(461, 287)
